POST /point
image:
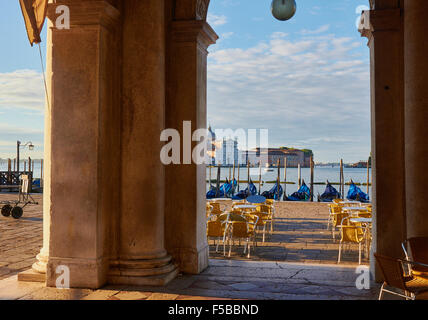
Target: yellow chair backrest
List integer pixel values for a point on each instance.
(270, 202)
(337, 218)
(352, 233)
(240, 229)
(264, 208)
(215, 228)
(215, 205)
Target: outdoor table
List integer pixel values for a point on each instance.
(219, 199)
(347, 202)
(246, 207)
(361, 220)
(256, 199)
(354, 208)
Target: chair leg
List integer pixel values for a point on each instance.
(340, 252)
(359, 253)
(381, 291)
(264, 232)
(249, 247)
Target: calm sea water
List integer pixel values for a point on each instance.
(37, 166)
(321, 174)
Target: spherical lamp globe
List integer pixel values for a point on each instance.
(283, 10)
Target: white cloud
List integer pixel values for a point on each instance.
(320, 30)
(215, 20)
(312, 92)
(22, 89)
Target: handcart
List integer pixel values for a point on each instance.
(16, 207)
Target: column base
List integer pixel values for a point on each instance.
(83, 273)
(151, 272)
(191, 260)
(31, 276)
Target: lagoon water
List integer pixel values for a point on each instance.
(321, 175)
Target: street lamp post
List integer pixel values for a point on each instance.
(18, 146)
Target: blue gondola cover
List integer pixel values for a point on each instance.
(356, 194)
(273, 193)
(329, 194)
(303, 194)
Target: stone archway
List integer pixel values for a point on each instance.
(112, 212)
(123, 72)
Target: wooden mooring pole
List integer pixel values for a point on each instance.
(312, 179)
(260, 177)
(285, 178)
(368, 176)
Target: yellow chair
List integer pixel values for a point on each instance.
(208, 209)
(351, 233)
(238, 229)
(335, 218)
(264, 212)
(215, 229)
(216, 209)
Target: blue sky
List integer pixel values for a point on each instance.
(306, 79)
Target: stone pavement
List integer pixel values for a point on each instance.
(297, 262)
(20, 240)
(224, 279)
(300, 235)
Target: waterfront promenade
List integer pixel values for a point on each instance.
(298, 262)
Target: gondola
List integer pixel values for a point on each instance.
(224, 191)
(273, 193)
(329, 194)
(251, 190)
(356, 194)
(303, 194)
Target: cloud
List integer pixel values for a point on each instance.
(22, 89)
(312, 92)
(320, 30)
(215, 20)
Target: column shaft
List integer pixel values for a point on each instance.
(385, 33)
(416, 115)
(185, 183)
(84, 139)
(142, 258)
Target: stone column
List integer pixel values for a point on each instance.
(42, 258)
(383, 27)
(416, 115)
(142, 256)
(185, 229)
(82, 139)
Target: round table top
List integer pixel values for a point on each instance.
(363, 220)
(256, 199)
(246, 206)
(350, 202)
(219, 199)
(355, 208)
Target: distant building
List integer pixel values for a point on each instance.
(273, 155)
(211, 147)
(227, 152)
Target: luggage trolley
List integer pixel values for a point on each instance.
(16, 207)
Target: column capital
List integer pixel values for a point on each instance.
(85, 13)
(191, 9)
(193, 31)
(379, 20)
